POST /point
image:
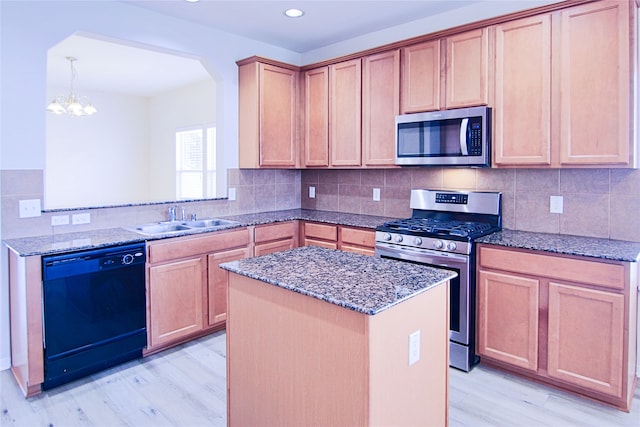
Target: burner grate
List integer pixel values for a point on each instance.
(439, 227)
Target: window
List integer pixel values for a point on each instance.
(196, 163)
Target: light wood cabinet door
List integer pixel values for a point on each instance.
(278, 89)
(316, 133)
(218, 282)
(380, 105)
(595, 86)
(176, 300)
(467, 71)
(522, 113)
(586, 344)
(508, 318)
(345, 113)
(357, 240)
(420, 84)
(267, 115)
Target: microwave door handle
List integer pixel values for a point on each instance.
(463, 137)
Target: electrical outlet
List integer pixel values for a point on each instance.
(29, 208)
(414, 347)
(232, 194)
(376, 194)
(556, 204)
(60, 220)
(312, 192)
(82, 218)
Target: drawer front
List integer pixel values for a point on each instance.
(556, 267)
(279, 231)
(177, 248)
(357, 236)
(320, 243)
(321, 231)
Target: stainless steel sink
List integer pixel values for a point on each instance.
(176, 227)
(208, 223)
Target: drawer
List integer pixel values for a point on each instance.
(182, 247)
(283, 230)
(358, 236)
(321, 231)
(554, 267)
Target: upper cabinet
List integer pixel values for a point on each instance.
(464, 82)
(268, 114)
(380, 106)
(595, 86)
(522, 113)
(559, 80)
(349, 112)
(345, 113)
(420, 83)
(562, 88)
(467, 76)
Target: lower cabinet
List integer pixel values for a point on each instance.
(567, 321)
(276, 237)
(345, 238)
(319, 234)
(186, 288)
(218, 281)
(175, 300)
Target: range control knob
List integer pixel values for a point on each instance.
(398, 238)
(438, 244)
(127, 259)
(386, 236)
(451, 246)
(417, 241)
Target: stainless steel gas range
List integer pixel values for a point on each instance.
(440, 233)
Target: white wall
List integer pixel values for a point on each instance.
(29, 28)
(193, 105)
(108, 150)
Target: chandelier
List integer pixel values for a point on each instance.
(72, 104)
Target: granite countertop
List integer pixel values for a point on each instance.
(358, 282)
(618, 250)
(69, 242)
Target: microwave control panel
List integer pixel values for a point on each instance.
(475, 136)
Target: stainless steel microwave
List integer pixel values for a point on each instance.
(460, 137)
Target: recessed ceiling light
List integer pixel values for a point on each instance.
(192, 1)
(293, 13)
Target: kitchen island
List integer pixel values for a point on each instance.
(324, 337)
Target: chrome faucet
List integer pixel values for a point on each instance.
(172, 213)
(183, 214)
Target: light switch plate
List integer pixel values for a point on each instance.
(60, 220)
(556, 204)
(376, 194)
(81, 218)
(312, 192)
(29, 208)
(232, 194)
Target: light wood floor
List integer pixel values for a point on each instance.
(185, 386)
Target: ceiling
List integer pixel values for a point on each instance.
(324, 22)
(105, 66)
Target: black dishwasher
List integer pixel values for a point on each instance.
(94, 311)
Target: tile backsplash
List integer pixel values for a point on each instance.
(597, 202)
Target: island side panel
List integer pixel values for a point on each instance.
(419, 392)
(293, 360)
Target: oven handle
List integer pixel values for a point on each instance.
(420, 255)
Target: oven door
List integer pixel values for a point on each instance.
(459, 286)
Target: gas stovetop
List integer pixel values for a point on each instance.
(437, 227)
(444, 221)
